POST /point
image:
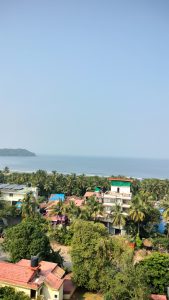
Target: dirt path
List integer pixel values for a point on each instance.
(65, 252)
(82, 295)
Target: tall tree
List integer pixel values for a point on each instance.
(96, 257)
(137, 211)
(29, 238)
(94, 207)
(117, 216)
(29, 206)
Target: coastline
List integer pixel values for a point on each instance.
(89, 166)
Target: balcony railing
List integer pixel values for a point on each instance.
(119, 195)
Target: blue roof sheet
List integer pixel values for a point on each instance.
(55, 197)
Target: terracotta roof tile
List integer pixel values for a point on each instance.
(89, 194)
(59, 272)
(16, 274)
(21, 274)
(53, 281)
(120, 179)
(158, 297)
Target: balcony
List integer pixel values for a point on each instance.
(119, 195)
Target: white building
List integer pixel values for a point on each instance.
(15, 192)
(120, 194)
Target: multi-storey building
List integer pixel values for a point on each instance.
(14, 193)
(120, 194)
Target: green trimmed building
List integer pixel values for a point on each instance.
(119, 195)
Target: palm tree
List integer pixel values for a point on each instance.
(59, 208)
(166, 219)
(117, 216)
(29, 206)
(94, 207)
(72, 210)
(137, 211)
(48, 187)
(165, 206)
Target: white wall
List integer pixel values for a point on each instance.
(49, 294)
(13, 195)
(122, 189)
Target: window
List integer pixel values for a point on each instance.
(56, 296)
(109, 200)
(10, 195)
(33, 294)
(118, 190)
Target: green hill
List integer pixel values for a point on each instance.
(16, 152)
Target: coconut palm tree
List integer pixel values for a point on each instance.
(94, 207)
(72, 210)
(48, 187)
(59, 208)
(29, 206)
(166, 218)
(117, 216)
(137, 211)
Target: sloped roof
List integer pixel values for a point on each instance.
(120, 179)
(89, 194)
(158, 297)
(53, 281)
(59, 272)
(77, 201)
(50, 272)
(15, 274)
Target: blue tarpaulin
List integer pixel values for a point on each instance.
(56, 197)
(18, 204)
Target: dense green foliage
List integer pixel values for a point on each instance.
(128, 284)
(156, 272)
(29, 238)
(55, 182)
(155, 187)
(8, 293)
(61, 234)
(104, 263)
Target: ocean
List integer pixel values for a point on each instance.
(102, 166)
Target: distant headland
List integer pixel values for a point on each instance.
(16, 152)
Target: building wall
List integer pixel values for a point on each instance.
(49, 294)
(122, 189)
(14, 196)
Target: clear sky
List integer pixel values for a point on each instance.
(85, 77)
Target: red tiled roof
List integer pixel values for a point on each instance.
(16, 274)
(77, 201)
(21, 274)
(53, 281)
(89, 194)
(158, 297)
(120, 179)
(45, 266)
(59, 272)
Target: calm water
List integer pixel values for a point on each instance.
(140, 168)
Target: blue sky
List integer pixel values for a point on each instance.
(85, 77)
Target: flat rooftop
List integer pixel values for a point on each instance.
(13, 187)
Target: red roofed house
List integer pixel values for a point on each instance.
(158, 297)
(34, 279)
(77, 201)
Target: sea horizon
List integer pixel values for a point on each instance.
(89, 165)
